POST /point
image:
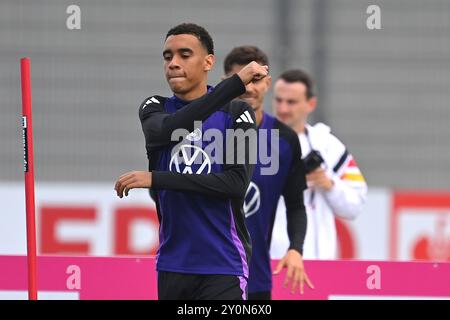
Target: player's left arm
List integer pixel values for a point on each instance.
(296, 222)
(349, 191)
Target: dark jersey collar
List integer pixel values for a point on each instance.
(179, 103)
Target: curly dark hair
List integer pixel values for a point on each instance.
(244, 55)
(199, 32)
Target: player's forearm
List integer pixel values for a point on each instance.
(296, 227)
(295, 206)
(160, 126)
(232, 183)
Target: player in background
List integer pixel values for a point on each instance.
(288, 180)
(336, 186)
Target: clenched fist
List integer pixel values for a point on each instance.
(253, 71)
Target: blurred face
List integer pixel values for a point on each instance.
(186, 63)
(255, 90)
(291, 104)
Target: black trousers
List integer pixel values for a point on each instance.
(263, 295)
(182, 286)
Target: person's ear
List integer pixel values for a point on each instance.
(312, 103)
(209, 62)
(268, 80)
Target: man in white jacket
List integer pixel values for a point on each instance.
(336, 187)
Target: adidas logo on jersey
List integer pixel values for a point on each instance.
(245, 117)
(151, 100)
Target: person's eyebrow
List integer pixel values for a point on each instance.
(185, 50)
(180, 50)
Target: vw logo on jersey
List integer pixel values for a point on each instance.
(195, 135)
(252, 199)
(190, 159)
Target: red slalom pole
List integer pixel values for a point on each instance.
(28, 167)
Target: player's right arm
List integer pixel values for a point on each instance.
(158, 125)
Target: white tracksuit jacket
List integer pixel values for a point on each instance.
(344, 200)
